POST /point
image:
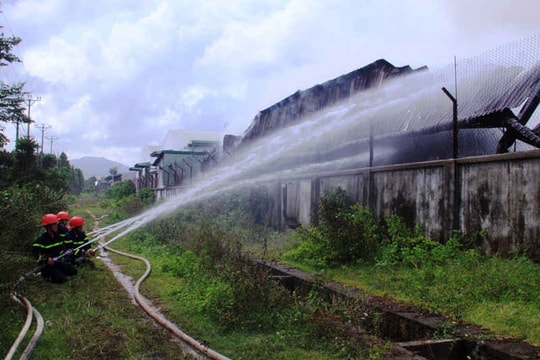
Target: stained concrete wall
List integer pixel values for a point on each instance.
(502, 195)
(497, 194)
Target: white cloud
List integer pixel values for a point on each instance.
(59, 61)
(122, 74)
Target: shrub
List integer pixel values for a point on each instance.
(23, 207)
(186, 265)
(310, 250)
(347, 233)
(146, 196)
(121, 190)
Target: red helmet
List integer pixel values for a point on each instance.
(63, 215)
(76, 221)
(49, 219)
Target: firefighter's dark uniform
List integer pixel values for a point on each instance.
(62, 234)
(49, 246)
(74, 239)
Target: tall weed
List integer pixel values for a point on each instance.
(347, 233)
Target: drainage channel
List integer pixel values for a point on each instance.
(426, 335)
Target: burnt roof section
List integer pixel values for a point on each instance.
(303, 103)
(488, 87)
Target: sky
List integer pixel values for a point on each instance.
(115, 75)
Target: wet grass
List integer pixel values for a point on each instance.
(89, 317)
(495, 293)
(92, 317)
(186, 304)
(501, 295)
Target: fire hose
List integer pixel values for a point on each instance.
(30, 313)
(100, 235)
(138, 297)
(143, 303)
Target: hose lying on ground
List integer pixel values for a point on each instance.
(37, 335)
(143, 303)
(30, 313)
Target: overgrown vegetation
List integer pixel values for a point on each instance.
(453, 279)
(206, 280)
(123, 201)
(31, 185)
(204, 254)
(216, 290)
(347, 233)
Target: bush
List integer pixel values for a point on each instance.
(246, 298)
(347, 233)
(186, 265)
(23, 207)
(146, 196)
(121, 190)
(310, 250)
(406, 246)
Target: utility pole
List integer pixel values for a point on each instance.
(30, 101)
(17, 131)
(52, 139)
(43, 128)
(2, 129)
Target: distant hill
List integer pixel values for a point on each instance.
(97, 166)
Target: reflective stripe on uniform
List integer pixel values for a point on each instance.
(61, 243)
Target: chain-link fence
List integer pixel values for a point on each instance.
(410, 118)
(504, 77)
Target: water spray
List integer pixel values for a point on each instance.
(133, 226)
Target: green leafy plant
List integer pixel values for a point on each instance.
(347, 233)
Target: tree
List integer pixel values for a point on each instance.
(76, 181)
(63, 161)
(6, 49)
(90, 184)
(25, 166)
(11, 96)
(6, 162)
(121, 190)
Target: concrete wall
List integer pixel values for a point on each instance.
(498, 194)
(502, 195)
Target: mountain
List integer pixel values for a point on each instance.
(97, 166)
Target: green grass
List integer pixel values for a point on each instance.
(88, 317)
(185, 303)
(92, 316)
(502, 295)
(87, 202)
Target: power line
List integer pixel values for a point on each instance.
(43, 128)
(30, 101)
(52, 139)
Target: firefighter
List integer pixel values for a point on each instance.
(48, 246)
(76, 238)
(63, 221)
